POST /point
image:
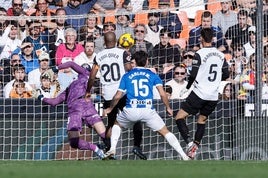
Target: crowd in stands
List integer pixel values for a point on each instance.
(38, 34)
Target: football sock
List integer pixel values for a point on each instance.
(199, 133)
(84, 145)
(183, 129)
(173, 141)
(116, 132)
(137, 133)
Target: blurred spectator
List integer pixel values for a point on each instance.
(206, 22)
(34, 75)
(135, 6)
(225, 90)
(165, 55)
(16, 9)
(238, 34)
(153, 29)
(7, 65)
(28, 59)
(19, 90)
(251, 7)
(45, 14)
(104, 5)
(250, 46)
(70, 49)
(62, 25)
(3, 22)
(178, 83)
(99, 42)
(66, 76)
(122, 23)
(18, 72)
(9, 40)
(47, 88)
(187, 60)
(90, 28)
(225, 17)
(88, 55)
(265, 83)
(247, 80)
(6, 4)
(77, 7)
(40, 41)
(140, 43)
(169, 20)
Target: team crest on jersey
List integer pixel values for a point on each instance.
(128, 58)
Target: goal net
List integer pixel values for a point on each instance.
(236, 130)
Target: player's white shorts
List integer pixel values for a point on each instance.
(129, 116)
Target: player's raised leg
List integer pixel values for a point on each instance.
(173, 141)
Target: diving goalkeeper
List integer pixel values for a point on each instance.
(80, 109)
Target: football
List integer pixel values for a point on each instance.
(126, 40)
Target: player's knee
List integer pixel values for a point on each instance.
(74, 142)
(202, 119)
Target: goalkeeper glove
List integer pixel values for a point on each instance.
(40, 97)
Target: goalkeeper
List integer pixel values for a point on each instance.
(80, 109)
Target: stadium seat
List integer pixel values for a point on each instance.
(141, 18)
(110, 16)
(178, 41)
(185, 24)
(153, 4)
(214, 6)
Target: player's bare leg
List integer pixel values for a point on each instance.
(173, 141)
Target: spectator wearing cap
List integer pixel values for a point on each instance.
(250, 46)
(165, 56)
(18, 72)
(78, 7)
(153, 28)
(19, 90)
(47, 87)
(34, 75)
(28, 59)
(169, 20)
(122, 23)
(70, 49)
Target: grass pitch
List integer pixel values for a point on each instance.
(133, 169)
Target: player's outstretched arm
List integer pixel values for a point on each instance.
(91, 78)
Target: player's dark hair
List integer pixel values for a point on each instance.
(141, 58)
(207, 34)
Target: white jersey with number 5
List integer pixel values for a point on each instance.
(209, 73)
(111, 66)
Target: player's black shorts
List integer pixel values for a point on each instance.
(193, 104)
(112, 115)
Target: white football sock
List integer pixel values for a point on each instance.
(116, 132)
(173, 141)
